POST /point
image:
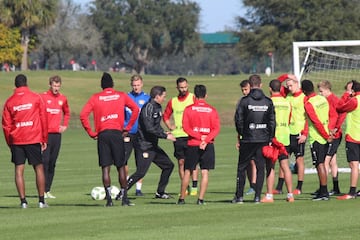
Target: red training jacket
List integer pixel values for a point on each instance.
(200, 119)
(333, 101)
(24, 118)
(57, 109)
(108, 109)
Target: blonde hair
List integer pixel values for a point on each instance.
(324, 84)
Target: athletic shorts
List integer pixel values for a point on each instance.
(31, 152)
(129, 144)
(111, 150)
(352, 151)
(180, 146)
(205, 158)
(318, 152)
(295, 147)
(283, 156)
(333, 147)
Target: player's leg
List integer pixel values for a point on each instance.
(163, 161)
(203, 185)
(270, 180)
(284, 166)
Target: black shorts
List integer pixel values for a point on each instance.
(111, 150)
(295, 147)
(318, 152)
(129, 144)
(205, 158)
(333, 147)
(31, 152)
(180, 146)
(352, 151)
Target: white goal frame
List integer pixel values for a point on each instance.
(297, 45)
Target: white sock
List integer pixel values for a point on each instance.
(138, 185)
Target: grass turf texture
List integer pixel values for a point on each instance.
(74, 215)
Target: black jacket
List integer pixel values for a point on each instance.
(149, 128)
(255, 118)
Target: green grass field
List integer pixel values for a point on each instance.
(74, 215)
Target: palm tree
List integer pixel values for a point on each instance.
(28, 16)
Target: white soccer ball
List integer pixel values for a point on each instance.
(268, 71)
(114, 191)
(98, 193)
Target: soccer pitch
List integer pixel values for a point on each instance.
(74, 215)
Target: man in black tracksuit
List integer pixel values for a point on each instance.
(255, 124)
(149, 132)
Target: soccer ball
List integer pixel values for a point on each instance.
(114, 191)
(98, 193)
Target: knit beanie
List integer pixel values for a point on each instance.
(106, 81)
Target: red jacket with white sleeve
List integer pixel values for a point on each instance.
(58, 111)
(200, 119)
(108, 108)
(24, 118)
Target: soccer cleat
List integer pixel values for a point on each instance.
(267, 199)
(181, 201)
(139, 193)
(43, 205)
(126, 202)
(193, 191)
(119, 196)
(346, 197)
(358, 193)
(162, 195)
(109, 203)
(200, 202)
(276, 191)
(297, 192)
(250, 191)
(239, 200)
(257, 200)
(321, 198)
(24, 205)
(48, 195)
(333, 192)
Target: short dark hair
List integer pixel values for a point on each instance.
(20, 80)
(55, 79)
(255, 80)
(307, 86)
(156, 91)
(244, 83)
(275, 85)
(106, 81)
(180, 80)
(355, 86)
(200, 91)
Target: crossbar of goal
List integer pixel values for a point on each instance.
(298, 45)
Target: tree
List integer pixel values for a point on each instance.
(71, 36)
(27, 15)
(10, 47)
(272, 25)
(139, 31)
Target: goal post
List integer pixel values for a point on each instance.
(325, 60)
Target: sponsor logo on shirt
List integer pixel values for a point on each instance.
(23, 107)
(255, 108)
(201, 129)
(201, 109)
(108, 117)
(109, 98)
(24, 124)
(257, 126)
(53, 111)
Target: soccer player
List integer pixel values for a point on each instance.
(251, 170)
(176, 108)
(148, 149)
(58, 116)
(320, 116)
(349, 103)
(25, 130)
(201, 122)
(140, 98)
(298, 129)
(324, 88)
(108, 108)
(255, 124)
(282, 135)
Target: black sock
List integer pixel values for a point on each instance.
(336, 185)
(280, 184)
(252, 185)
(299, 185)
(23, 200)
(41, 199)
(323, 190)
(352, 191)
(108, 192)
(194, 184)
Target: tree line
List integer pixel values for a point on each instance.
(163, 36)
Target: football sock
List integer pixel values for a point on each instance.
(23, 200)
(352, 191)
(323, 190)
(41, 199)
(108, 192)
(252, 185)
(194, 184)
(280, 184)
(138, 185)
(299, 185)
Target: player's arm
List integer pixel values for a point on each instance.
(310, 111)
(84, 118)
(167, 115)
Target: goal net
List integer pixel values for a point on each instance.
(335, 61)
